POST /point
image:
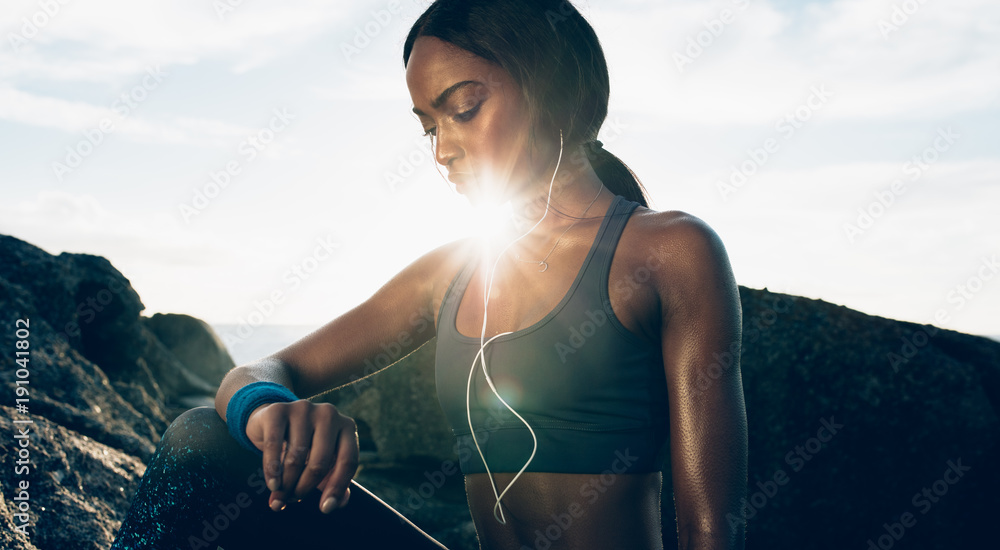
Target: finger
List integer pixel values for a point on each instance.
(335, 495)
(273, 426)
(300, 435)
(276, 502)
(326, 480)
(280, 498)
(321, 456)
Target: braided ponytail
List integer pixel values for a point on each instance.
(615, 174)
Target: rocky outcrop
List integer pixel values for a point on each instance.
(863, 430)
(852, 417)
(194, 343)
(98, 387)
(77, 490)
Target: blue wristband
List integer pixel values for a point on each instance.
(246, 400)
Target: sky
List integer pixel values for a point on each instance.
(251, 162)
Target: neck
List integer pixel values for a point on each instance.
(573, 190)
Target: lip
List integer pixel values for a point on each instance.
(458, 178)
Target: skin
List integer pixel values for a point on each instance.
(688, 304)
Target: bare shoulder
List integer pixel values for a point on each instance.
(692, 259)
(438, 267)
(444, 262)
(684, 240)
(438, 262)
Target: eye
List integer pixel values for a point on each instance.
(467, 115)
(464, 116)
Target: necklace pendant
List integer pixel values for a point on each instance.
(543, 266)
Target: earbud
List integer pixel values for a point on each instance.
(481, 355)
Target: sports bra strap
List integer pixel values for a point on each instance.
(597, 272)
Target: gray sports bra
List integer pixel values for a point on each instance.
(593, 392)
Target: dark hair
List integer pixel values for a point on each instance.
(553, 54)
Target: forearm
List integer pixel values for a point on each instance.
(711, 476)
(268, 369)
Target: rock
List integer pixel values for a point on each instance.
(72, 391)
(905, 402)
(10, 537)
(94, 309)
(98, 389)
(194, 343)
(78, 489)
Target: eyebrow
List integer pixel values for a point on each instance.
(445, 95)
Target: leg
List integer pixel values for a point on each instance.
(202, 489)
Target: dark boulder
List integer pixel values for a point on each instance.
(194, 343)
(98, 388)
(93, 309)
(77, 491)
(858, 414)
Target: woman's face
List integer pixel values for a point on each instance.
(477, 116)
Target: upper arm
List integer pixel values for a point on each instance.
(701, 328)
(394, 321)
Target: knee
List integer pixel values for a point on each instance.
(198, 418)
(197, 443)
(197, 427)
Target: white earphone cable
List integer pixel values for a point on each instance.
(488, 277)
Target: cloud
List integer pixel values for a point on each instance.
(786, 230)
(682, 130)
(77, 116)
(178, 32)
(764, 59)
(59, 221)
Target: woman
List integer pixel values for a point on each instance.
(568, 348)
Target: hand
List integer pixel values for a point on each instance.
(306, 445)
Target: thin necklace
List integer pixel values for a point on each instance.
(542, 264)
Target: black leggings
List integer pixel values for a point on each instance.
(202, 490)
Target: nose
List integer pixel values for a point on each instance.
(446, 148)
